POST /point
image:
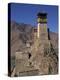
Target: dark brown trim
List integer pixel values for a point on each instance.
(9, 36)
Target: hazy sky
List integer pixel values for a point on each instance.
(27, 13)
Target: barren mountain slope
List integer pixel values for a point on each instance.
(20, 33)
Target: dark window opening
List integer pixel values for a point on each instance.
(48, 34)
(29, 55)
(30, 63)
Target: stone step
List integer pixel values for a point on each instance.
(29, 73)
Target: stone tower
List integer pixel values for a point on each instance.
(42, 31)
(41, 37)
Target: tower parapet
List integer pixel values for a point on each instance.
(42, 17)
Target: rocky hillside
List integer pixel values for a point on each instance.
(20, 33)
